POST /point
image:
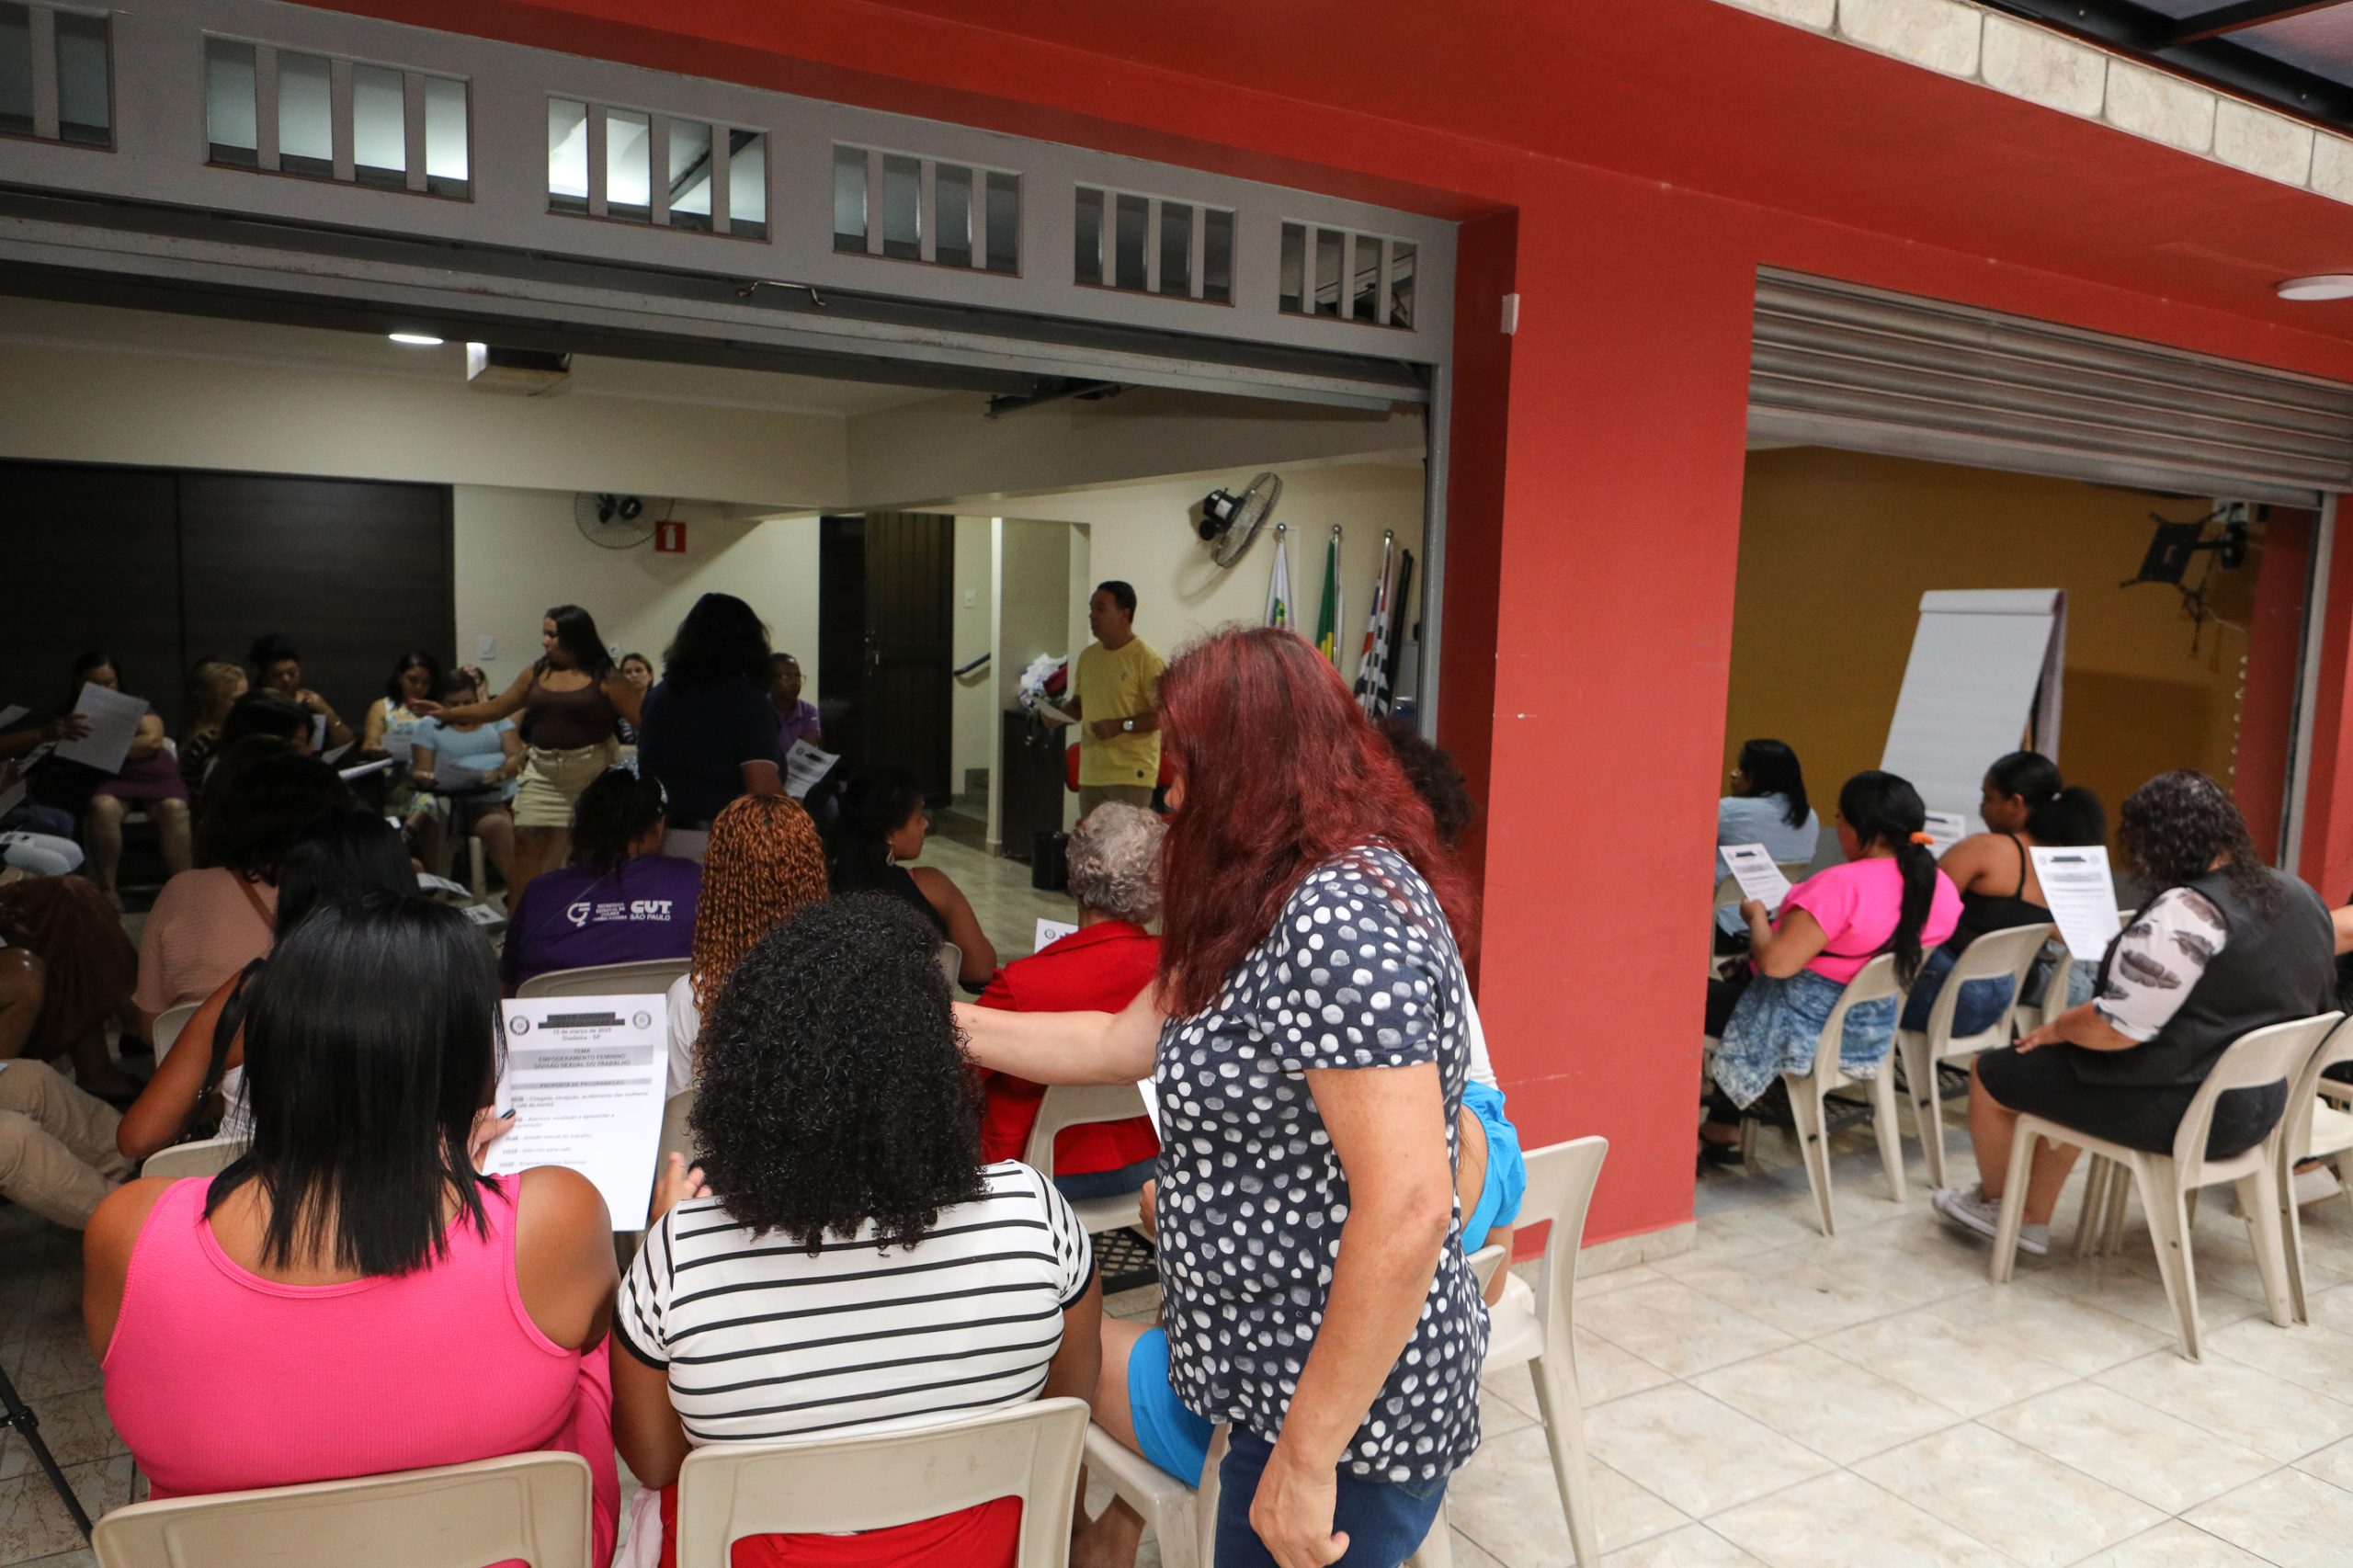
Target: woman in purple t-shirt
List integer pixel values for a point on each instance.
(1888, 897)
(621, 900)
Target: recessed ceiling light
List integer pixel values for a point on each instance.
(2322, 286)
(427, 340)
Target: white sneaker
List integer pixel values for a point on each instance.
(1969, 1208)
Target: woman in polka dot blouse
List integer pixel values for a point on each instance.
(1306, 1039)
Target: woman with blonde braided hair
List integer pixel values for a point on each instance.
(764, 860)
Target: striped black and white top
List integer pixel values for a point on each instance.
(763, 1341)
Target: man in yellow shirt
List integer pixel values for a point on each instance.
(1114, 696)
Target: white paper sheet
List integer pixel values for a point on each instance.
(337, 754)
(318, 734)
(1947, 829)
(1050, 932)
(114, 718)
(1984, 665)
(364, 768)
(804, 765)
(1151, 1093)
(427, 882)
(586, 1077)
(2081, 892)
(1751, 865)
(10, 714)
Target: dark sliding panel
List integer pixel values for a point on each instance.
(354, 571)
(90, 560)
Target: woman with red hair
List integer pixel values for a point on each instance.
(1306, 1040)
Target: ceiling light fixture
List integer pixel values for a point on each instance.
(416, 339)
(2320, 286)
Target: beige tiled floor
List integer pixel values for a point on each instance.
(1768, 1397)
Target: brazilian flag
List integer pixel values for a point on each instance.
(1327, 620)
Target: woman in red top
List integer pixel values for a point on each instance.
(1114, 875)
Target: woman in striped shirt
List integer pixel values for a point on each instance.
(842, 1257)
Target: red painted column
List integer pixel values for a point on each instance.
(1622, 481)
(2326, 862)
(2274, 649)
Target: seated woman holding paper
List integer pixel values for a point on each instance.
(1115, 876)
(149, 779)
(471, 768)
(2227, 945)
(1767, 806)
(389, 730)
(875, 820)
(1889, 897)
(620, 901)
(197, 1089)
(2025, 803)
(352, 1297)
(762, 863)
(210, 923)
(842, 1257)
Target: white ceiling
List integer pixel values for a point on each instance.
(100, 327)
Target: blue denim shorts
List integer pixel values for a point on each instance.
(1383, 1520)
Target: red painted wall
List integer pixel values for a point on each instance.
(1597, 459)
(2274, 648)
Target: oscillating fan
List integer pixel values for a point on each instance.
(611, 521)
(1229, 522)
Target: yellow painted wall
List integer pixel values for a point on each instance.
(1836, 548)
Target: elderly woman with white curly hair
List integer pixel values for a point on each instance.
(1115, 876)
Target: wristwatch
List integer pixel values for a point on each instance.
(1127, 726)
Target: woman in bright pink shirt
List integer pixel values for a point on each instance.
(1889, 897)
(351, 1297)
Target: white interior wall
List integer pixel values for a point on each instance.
(517, 553)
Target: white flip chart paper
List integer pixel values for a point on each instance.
(1984, 665)
(1751, 865)
(114, 718)
(586, 1077)
(1050, 932)
(2081, 894)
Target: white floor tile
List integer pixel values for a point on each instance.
(2240, 1403)
(2288, 1518)
(1507, 1501)
(2173, 1544)
(2005, 1494)
(2071, 1333)
(2162, 1459)
(1964, 1366)
(1697, 1452)
(1835, 1408)
(1845, 1521)
(2309, 1356)
(1674, 1327)
(1792, 1292)
(1693, 1546)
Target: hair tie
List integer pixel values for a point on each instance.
(1927, 839)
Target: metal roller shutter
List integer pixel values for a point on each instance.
(1837, 365)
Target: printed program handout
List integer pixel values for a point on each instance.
(1752, 867)
(586, 1077)
(114, 724)
(2081, 892)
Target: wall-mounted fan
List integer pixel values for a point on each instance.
(613, 521)
(1229, 522)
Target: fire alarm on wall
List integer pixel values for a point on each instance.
(670, 537)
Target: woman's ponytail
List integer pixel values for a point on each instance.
(1885, 810)
(1919, 864)
(2073, 815)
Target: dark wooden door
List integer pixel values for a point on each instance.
(92, 562)
(884, 626)
(354, 571)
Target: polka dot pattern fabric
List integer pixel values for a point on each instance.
(1359, 971)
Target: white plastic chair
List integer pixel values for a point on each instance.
(646, 977)
(950, 958)
(2167, 1182)
(170, 1023)
(1875, 981)
(534, 1506)
(869, 1480)
(2030, 1013)
(1537, 1329)
(203, 1158)
(1995, 955)
(1080, 1105)
(2314, 1131)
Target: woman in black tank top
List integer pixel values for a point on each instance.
(2024, 803)
(875, 820)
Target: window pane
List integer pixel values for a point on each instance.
(952, 215)
(629, 184)
(1328, 245)
(229, 101)
(1295, 270)
(1401, 285)
(83, 114)
(567, 155)
(1128, 219)
(849, 199)
(1175, 248)
(448, 161)
(688, 176)
(1088, 262)
(305, 131)
(1004, 223)
(1217, 256)
(16, 69)
(1364, 284)
(747, 184)
(379, 126)
(902, 204)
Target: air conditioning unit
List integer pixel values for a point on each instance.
(525, 372)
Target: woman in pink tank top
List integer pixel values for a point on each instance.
(351, 1297)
